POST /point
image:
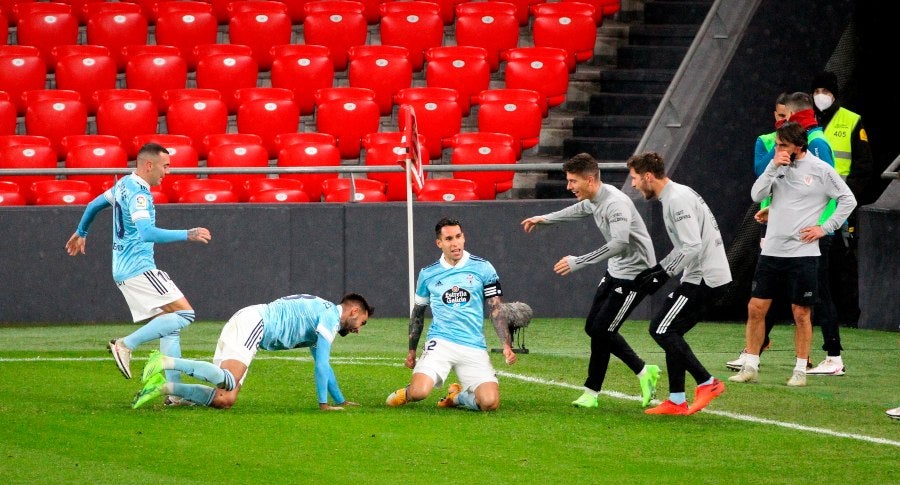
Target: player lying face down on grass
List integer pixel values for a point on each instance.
(287, 323)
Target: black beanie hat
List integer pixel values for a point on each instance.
(827, 80)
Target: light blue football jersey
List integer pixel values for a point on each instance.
(131, 201)
(456, 295)
(294, 321)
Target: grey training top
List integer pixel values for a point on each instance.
(798, 195)
(697, 244)
(628, 248)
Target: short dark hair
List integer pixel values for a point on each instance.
(583, 164)
(793, 133)
(798, 101)
(648, 162)
(358, 300)
(445, 221)
(151, 149)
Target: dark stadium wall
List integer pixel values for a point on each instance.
(261, 252)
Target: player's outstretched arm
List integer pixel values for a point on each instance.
(416, 324)
(501, 326)
(528, 224)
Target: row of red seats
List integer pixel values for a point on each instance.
(268, 190)
(246, 151)
(347, 113)
(336, 24)
(303, 69)
(223, 11)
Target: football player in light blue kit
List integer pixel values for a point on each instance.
(457, 287)
(150, 293)
(287, 323)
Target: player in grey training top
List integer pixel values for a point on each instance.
(800, 185)
(699, 254)
(628, 250)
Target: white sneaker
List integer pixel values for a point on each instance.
(828, 367)
(122, 356)
(798, 379)
(747, 374)
(893, 413)
(736, 364)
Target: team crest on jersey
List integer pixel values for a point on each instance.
(140, 201)
(456, 295)
(808, 180)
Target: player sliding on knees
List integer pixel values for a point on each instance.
(287, 323)
(457, 287)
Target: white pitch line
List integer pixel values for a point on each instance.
(535, 380)
(739, 417)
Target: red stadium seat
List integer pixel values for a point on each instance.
(126, 113)
(438, 115)
(85, 69)
(219, 139)
(567, 25)
(313, 152)
(447, 10)
(259, 24)
(415, 25)
(490, 25)
(202, 196)
(523, 10)
(385, 69)
(195, 113)
(185, 186)
(462, 68)
(602, 8)
(489, 150)
(11, 193)
(387, 148)
(8, 115)
(512, 111)
(182, 154)
(27, 156)
(13, 140)
(348, 113)
(285, 140)
(275, 190)
(64, 197)
(340, 184)
(116, 25)
(447, 190)
(70, 142)
(45, 25)
(96, 156)
(244, 155)
(359, 195)
(279, 196)
(267, 112)
(55, 113)
(21, 69)
(253, 186)
(336, 24)
(304, 69)
(155, 69)
(541, 69)
(226, 68)
(186, 25)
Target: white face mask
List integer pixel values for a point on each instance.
(823, 101)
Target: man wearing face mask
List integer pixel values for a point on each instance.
(854, 163)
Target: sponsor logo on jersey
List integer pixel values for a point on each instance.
(456, 295)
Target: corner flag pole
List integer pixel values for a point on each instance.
(413, 162)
